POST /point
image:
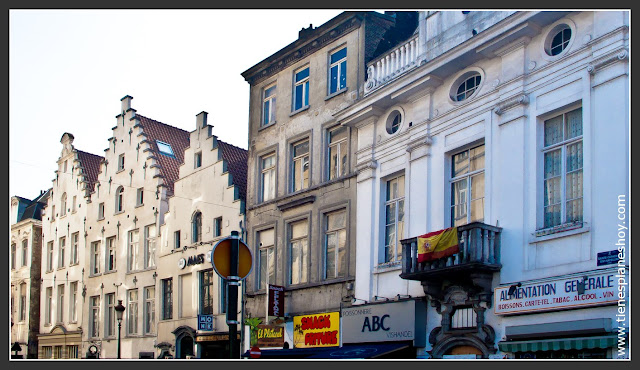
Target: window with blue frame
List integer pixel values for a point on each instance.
(338, 71)
(165, 148)
(301, 89)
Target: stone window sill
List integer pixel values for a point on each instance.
(561, 232)
(298, 111)
(336, 93)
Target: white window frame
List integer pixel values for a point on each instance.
(327, 232)
(50, 256)
(305, 160)
(60, 304)
(397, 253)
(62, 243)
(467, 177)
(304, 277)
(305, 83)
(119, 199)
(562, 145)
(101, 211)
(73, 301)
(74, 204)
(139, 197)
(14, 252)
(48, 305)
(23, 302)
(95, 257)
(269, 250)
(132, 311)
(133, 250)
(120, 162)
(109, 315)
(150, 246)
(75, 240)
(270, 193)
(63, 205)
(270, 100)
(25, 252)
(148, 325)
(341, 170)
(110, 251)
(94, 319)
(338, 65)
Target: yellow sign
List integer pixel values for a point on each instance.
(319, 330)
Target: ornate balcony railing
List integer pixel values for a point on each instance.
(393, 63)
(479, 246)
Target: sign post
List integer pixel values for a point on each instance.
(231, 259)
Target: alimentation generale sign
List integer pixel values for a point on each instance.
(600, 288)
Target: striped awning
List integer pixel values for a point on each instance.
(605, 341)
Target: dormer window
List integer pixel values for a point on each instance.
(165, 148)
(121, 162)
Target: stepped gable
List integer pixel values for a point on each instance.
(177, 138)
(236, 159)
(90, 164)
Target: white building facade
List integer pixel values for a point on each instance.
(512, 127)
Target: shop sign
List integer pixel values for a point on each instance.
(379, 322)
(276, 300)
(270, 336)
(205, 322)
(193, 260)
(318, 330)
(214, 337)
(600, 288)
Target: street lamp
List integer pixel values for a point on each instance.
(119, 310)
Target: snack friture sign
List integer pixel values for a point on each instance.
(318, 330)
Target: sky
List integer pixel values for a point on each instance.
(68, 70)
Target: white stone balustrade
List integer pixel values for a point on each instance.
(395, 62)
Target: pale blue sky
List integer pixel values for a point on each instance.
(68, 70)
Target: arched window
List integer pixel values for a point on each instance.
(120, 199)
(196, 227)
(63, 204)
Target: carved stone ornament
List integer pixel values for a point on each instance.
(507, 104)
(606, 60)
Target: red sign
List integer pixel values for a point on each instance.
(255, 352)
(276, 300)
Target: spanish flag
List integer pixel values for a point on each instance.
(438, 244)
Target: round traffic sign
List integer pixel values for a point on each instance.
(255, 352)
(221, 259)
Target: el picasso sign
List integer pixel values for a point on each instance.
(600, 288)
(379, 322)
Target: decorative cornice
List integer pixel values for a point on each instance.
(297, 202)
(368, 165)
(606, 60)
(502, 106)
(422, 141)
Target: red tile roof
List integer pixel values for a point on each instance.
(236, 159)
(177, 138)
(90, 164)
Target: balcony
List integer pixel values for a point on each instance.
(479, 246)
(395, 62)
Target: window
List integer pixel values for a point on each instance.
(121, 162)
(268, 177)
(463, 317)
(150, 246)
(467, 172)
(63, 205)
(101, 211)
(50, 256)
(337, 153)
(197, 160)
(468, 87)
(206, 292)
(167, 299)
(132, 311)
(74, 203)
(25, 252)
(185, 296)
(110, 260)
(133, 250)
(95, 257)
(176, 239)
(75, 238)
(23, 302)
(53, 213)
(110, 315)
(64, 167)
(13, 256)
(73, 301)
(149, 310)
(140, 197)
(266, 263)
(299, 252)
(48, 306)
(57, 352)
(72, 351)
(61, 244)
(223, 295)
(300, 166)
(394, 219)
(301, 89)
(269, 105)
(338, 71)
(217, 226)
(196, 227)
(393, 122)
(563, 161)
(335, 244)
(60, 303)
(120, 199)
(94, 330)
(13, 302)
(165, 148)
(560, 40)
(47, 352)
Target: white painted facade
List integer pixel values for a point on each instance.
(521, 87)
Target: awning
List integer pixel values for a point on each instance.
(344, 352)
(605, 341)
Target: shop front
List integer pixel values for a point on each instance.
(214, 345)
(593, 294)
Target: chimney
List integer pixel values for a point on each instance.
(125, 103)
(305, 32)
(201, 120)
